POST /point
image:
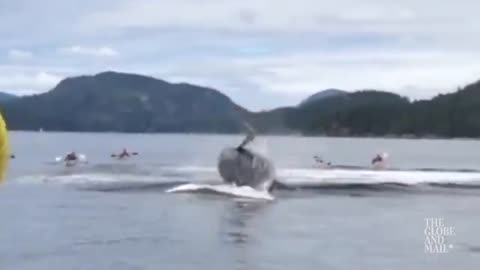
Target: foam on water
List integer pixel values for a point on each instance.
(342, 176)
(206, 178)
(83, 178)
(229, 190)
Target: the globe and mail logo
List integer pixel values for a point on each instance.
(437, 236)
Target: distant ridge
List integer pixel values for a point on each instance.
(113, 101)
(121, 102)
(321, 95)
(7, 97)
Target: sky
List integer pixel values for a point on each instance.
(261, 53)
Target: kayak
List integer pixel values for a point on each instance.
(81, 159)
(123, 157)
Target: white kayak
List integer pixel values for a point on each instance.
(81, 159)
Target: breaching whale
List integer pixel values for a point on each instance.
(244, 167)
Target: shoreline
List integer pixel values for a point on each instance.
(299, 135)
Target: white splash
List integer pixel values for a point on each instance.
(244, 191)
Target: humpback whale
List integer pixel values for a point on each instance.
(244, 167)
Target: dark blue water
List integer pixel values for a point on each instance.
(113, 214)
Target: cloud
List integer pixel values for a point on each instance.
(28, 83)
(428, 71)
(276, 50)
(90, 51)
(17, 54)
(289, 16)
(288, 77)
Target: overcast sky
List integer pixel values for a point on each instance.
(262, 53)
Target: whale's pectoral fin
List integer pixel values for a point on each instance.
(250, 136)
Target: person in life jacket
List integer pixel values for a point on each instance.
(71, 156)
(124, 154)
(378, 158)
(378, 161)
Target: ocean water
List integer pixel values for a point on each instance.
(111, 214)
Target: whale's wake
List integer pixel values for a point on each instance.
(311, 177)
(207, 179)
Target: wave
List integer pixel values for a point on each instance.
(343, 176)
(104, 182)
(131, 178)
(409, 181)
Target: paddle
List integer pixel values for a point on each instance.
(119, 155)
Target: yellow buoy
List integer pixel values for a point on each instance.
(3, 148)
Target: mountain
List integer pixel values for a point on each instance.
(112, 101)
(449, 115)
(272, 122)
(376, 113)
(121, 102)
(366, 112)
(4, 97)
(321, 95)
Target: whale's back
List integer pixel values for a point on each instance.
(245, 169)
